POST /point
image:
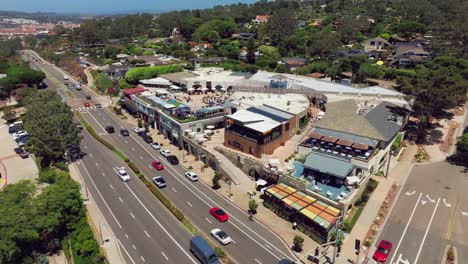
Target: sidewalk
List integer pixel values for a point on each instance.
(396, 175)
(102, 231)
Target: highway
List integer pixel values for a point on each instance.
(253, 242)
(145, 230)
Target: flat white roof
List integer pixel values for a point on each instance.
(323, 86)
(156, 81)
(254, 121)
(291, 103)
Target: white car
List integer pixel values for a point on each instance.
(123, 174)
(165, 152)
(191, 176)
(138, 129)
(221, 236)
(155, 145)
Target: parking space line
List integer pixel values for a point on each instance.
(120, 199)
(133, 245)
(208, 220)
(258, 261)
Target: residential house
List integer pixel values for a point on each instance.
(376, 44)
(147, 60)
(293, 63)
(261, 19)
(117, 72)
(211, 60)
(409, 54)
(243, 36)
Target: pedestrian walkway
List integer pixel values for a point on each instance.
(102, 231)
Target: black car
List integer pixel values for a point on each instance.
(110, 129)
(173, 160)
(124, 132)
(147, 138)
(98, 105)
(88, 97)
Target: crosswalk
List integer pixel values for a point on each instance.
(85, 108)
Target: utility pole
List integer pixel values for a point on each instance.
(337, 239)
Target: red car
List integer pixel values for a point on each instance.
(219, 214)
(383, 250)
(157, 165)
(87, 104)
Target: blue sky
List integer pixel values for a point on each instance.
(107, 6)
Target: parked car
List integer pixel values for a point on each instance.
(88, 97)
(173, 159)
(383, 251)
(110, 129)
(138, 129)
(159, 181)
(123, 175)
(157, 165)
(147, 138)
(221, 236)
(165, 152)
(124, 132)
(203, 251)
(155, 145)
(191, 176)
(219, 214)
(98, 105)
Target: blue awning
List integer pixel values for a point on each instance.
(328, 165)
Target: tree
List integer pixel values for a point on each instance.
(280, 26)
(298, 243)
(462, 147)
(23, 74)
(215, 181)
(9, 114)
(253, 205)
(251, 51)
(8, 85)
(89, 32)
(50, 124)
(140, 73)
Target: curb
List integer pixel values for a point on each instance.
(455, 253)
(6, 175)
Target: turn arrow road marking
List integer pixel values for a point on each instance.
(429, 198)
(447, 204)
(410, 193)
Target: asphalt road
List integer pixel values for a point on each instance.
(430, 213)
(254, 243)
(145, 230)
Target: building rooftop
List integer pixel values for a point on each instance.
(289, 103)
(275, 114)
(376, 120)
(328, 164)
(156, 81)
(254, 121)
(177, 77)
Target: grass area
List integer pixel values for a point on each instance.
(356, 216)
(101, 82)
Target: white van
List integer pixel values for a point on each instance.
(191, 176)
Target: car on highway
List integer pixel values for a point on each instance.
(165, 152)
(124, 132)
(88, 97)
(383, 251)
(123, 175)
(172, 159)
(219, 214)
(191, 176)
(159, 181)
(221, 236)
(157, 165)
(138, 129)
(98, 105)
(110, 129)
(87, 104)
(155, 145)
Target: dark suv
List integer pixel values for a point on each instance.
(110, 129)
(147, 138)
(173, 159)
(124, 132)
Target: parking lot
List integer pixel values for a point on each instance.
(13, 168)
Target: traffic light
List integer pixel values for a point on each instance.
(357, 245)
(317, 252)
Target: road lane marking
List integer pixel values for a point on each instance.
(161, 226)
(258, 261)
(112, 187)
(86, 147)
(91, 155)
(446, 204)
(132, 215)
(427, 230)
(103, 174)
(208, 220)
(410, 193)
(120, 199)
(126, 252)
(402, 260)
(146, 233)
(149, 166)
(97, 164)
(95, 120)
(141, 157)
(464, 213)
(126, 142)
(164, 255)
(406, 227)
(142, 258)
(102, 198)
(126, 235)
(133, 148)
(133, 245)
(429, 198)
(174, 190)
(449, 229)
(189, 204)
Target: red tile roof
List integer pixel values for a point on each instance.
(133, 90)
